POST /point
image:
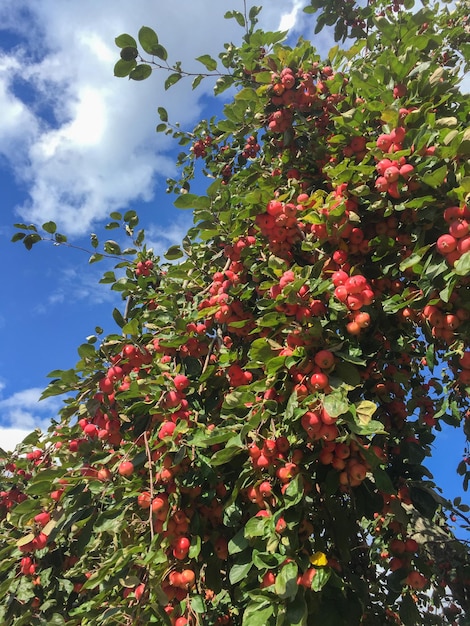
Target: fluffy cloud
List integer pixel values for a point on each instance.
(11, 437)
(22, 412)
(81, 140)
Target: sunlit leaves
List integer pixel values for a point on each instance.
(236, 15)
(209, 63)
(191, 201)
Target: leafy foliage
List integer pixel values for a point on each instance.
(248, 448)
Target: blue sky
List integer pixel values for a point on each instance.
(77, 143)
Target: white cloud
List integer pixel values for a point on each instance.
(290, 20)
(11, 437)
(83, 141)
(24, 412)
(79, 285)
(160, 240)
(18, 124)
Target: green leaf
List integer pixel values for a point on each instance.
(23, 541)
(95, 257)
(225, 455)
(424, 501)
(256, 527)
(254, 11)
(336, 404)
(197, 604)
(409, 612)
(239, 571)
(286, 581)
(50, 227)
(173, 253)
(172, 80)
(348, 372)
(462, 266)
(372, 428)
(124, 68)
(261, 351)
(131, 218)
(262, 560)
(263, 78)
(27, 508)
(237, 399)
(208, 62)
(160, 52)
(118, 318)
(321, 578)
(197, 81)
(414, 259)
(258, 614)
(237, 16)
(383, 480)
(124, 41)
(292, 404)
(25, 591)
(294, 492)
(435, 178)
(163, 114)
(86, 351)
(192, 201)
(238, 543)
(390, 116)
(132, 328)
(223, 83)
(112, 225)
(112, 247)
(141, 72)
(148, 39)
(297, 612)
(30, 240)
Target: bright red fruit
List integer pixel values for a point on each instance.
(126, 468)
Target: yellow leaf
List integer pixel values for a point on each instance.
(364, 411)
(25, 540)
(49, 527)
(319, 559)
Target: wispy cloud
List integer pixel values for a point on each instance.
(161, 239)
(80, 286)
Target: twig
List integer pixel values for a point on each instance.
(149, 457)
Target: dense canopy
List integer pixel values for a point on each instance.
(249, 447)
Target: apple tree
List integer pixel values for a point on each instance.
(249, 446)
